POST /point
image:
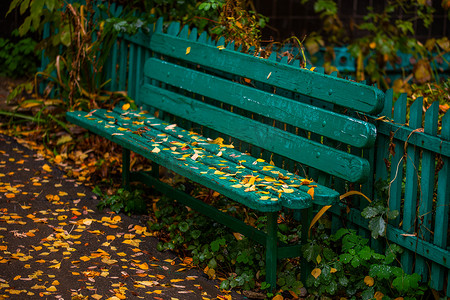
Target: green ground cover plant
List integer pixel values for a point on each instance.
(344, 264)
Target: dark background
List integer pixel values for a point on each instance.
(290, 17)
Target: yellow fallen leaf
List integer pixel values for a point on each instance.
(108, 261)
(58, 159)
(378, 295)
(55, 266)
(38, 287)
(85, 258)
(47, 168)
(143, 266)
(268, 168)
(188, 50)
(126, 106)
(97, 296)
(252, 179)
(316, 272)
(51, 289)
(238, 236)
(368, 281)
(148, 283)
(278, 297)
(306, 181)
(210, 272)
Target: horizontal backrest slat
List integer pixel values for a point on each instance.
(353, 95)
(303, 150)
(320, 121)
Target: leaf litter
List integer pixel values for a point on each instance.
(53, 245)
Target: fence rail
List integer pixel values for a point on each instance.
(412, 155)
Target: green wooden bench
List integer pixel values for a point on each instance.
(203, 90)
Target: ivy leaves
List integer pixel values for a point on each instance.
(359, 270)
(377, 215)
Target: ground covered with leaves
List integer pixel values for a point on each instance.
(56, 244)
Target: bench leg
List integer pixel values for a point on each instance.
(125, 168)
(271, 250)
(307, 216)
(155, 170)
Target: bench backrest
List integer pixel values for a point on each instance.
(275, 107)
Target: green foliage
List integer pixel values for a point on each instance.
(18, 59)
(217, 250)
(122, 200)
(75, 60)
(239, 22)
(378, 214)
(73, 77)
(235, 20)
(355, 270)
(384, 37)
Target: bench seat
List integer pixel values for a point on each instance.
(241, 177)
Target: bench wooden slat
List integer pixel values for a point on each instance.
(322, 195)
(239, 163)
(323, 122)
(199, 173)
(303, 150)
(107, 124)
(353, 95)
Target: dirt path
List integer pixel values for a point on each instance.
(55, 244)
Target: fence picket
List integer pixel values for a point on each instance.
(381, 171)
(131, 71)
(395, 191)
(123, 61)
(412, 173)
(442, 210)
(113, 68)
(427, 187)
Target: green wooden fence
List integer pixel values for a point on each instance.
(412, 156)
